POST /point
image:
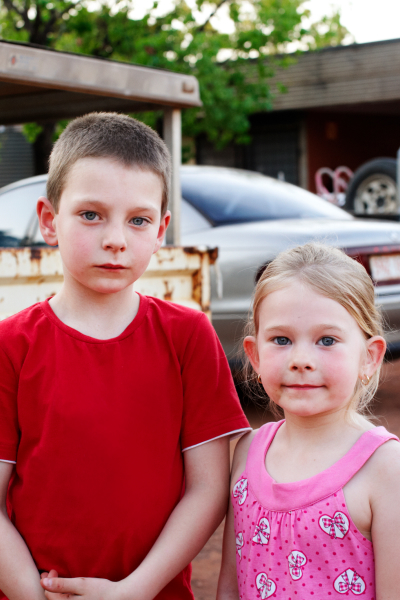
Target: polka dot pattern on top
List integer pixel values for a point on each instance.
(296, 541)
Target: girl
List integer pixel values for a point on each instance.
(314, 511)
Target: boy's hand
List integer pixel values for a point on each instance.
(53, 573)
(84, 588)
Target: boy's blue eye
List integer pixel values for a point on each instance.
(90, 216)
(327, 341)
(282, 341)
(139, 221)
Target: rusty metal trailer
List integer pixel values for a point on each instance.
(181, 275)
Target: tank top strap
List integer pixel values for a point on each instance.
(342, 471)
(289, 496)
(258, 449)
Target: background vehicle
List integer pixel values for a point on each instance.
(250, 218)
(372, 191)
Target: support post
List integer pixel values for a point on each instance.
(303, 158)
(398, 181)
(173, 139)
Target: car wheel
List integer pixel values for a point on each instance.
(373, 189)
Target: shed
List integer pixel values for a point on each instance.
(38, 84)
(341, 106)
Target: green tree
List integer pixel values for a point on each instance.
(233, 61)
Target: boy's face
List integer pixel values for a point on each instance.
(109, 224)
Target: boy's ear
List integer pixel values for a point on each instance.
(46, 214)
(162, 230)
(250, 347)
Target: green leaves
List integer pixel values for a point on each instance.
(231, 46)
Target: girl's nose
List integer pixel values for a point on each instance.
(300, 360)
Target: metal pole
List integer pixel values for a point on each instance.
(398, 181)
(173, 139)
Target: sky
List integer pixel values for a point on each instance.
(367, 20)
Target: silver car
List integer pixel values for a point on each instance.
(250, 218)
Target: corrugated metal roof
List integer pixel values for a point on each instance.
(354, 74)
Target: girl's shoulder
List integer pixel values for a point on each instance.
(379, 475)
(384, 464)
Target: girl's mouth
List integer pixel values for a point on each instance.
(304, 386)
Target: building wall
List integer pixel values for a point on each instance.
(274, 149)
(292, 145)
(336, 139)
(16, 156)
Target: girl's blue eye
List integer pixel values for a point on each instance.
(282, 341)
(90, 216)
(327, 341)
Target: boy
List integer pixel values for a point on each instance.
(107, 398)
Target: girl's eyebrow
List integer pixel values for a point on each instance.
(329, 326)
(287, 327)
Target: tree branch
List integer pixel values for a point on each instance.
(25, 15)
(11, 7)
(203, 26)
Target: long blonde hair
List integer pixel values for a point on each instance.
(331, 273)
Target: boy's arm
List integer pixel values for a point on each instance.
(227, 583)
(19, 577)
(189, 526)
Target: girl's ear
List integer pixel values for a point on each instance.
(250, 347)
(46, 215)
(376, 348)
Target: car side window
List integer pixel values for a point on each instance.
(226, 197)
(191, 219)
(18, 220)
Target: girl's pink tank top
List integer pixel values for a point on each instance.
(296, 541)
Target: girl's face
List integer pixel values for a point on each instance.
(310, 351)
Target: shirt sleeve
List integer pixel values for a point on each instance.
(211, 405)
(9, 430)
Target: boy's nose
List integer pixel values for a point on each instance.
(114, 240)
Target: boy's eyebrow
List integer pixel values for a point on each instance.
(90, 201)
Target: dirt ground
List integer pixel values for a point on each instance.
(387, 410)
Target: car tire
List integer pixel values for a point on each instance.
(373, 189)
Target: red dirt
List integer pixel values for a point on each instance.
(386, 408)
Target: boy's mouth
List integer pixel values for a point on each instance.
(111, 267)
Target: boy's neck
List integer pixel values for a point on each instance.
(101, 316)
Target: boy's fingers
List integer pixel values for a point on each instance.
(52, 573)
(65, 586)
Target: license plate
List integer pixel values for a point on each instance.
(386, 267)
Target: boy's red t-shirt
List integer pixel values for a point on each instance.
(97, 429)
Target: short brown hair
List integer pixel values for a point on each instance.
(108, 135)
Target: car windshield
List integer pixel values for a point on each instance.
(18, 220)
(225, 197)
